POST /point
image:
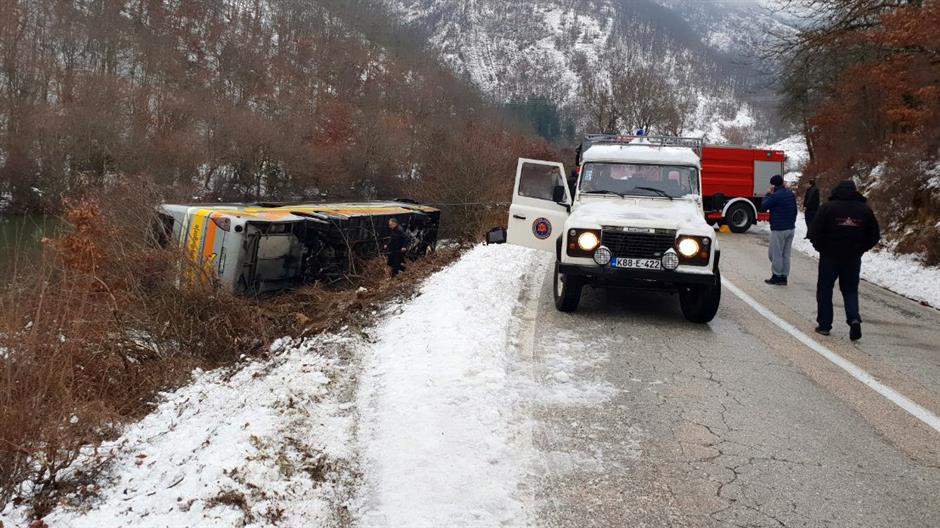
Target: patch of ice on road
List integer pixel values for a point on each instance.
(562, 462)
(438, 403)
(229, 450)
(573, 373)
(631, 444)
(572, 380)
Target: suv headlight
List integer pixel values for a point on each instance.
(588, 241)
(688, 247)
(583, 242)
(694, 250)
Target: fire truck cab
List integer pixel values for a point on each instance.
(633, 218)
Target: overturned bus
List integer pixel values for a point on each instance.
(260, 248)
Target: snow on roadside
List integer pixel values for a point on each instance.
(267, 444)
(274, 442)
(438, 405)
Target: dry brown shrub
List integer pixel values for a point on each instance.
(98, 327)
(470, 175)
(879, 108)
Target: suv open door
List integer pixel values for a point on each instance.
(541, 204)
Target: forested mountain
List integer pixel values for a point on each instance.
(701, 57)
(281, 99)
(233, 100)
(743, 31)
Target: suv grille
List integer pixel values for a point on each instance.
(625, 244)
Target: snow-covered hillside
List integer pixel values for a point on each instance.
(547, 48)
(741, 28)
(514, 49)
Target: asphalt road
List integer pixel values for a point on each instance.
(653, 421)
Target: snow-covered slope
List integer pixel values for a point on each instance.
(513, 49)
(268, 444)
(410, 423)
(740, 28)
(545, 48)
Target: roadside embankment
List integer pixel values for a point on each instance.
(98, 327)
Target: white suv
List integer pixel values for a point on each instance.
(632, 217)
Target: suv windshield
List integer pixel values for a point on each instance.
(639, 180)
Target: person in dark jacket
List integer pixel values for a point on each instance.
(781, 202)
(396, 247)
(811, 203)
(844, 229)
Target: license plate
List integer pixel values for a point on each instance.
(628, 263)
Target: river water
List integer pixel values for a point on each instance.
(20, 240)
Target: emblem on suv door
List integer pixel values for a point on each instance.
(542, 228)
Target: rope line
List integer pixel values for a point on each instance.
(466, 203)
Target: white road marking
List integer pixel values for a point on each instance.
(915, 410)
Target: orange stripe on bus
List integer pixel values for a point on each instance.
(208, 246)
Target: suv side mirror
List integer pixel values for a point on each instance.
(496, 236)
(558, 195)
(572, 183)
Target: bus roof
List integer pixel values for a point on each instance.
(285, 212)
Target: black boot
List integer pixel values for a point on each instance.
(773, 280)
(855, 330)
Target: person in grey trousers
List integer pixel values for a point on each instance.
(781, 203)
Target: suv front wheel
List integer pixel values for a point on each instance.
(567, 290)
(700, 302)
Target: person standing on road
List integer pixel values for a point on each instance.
(844, 229)
(781, 202)
(396, 247)
(811, 203)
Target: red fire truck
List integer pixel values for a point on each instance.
(734, 181)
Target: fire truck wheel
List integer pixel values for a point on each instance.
(567, 291)
(700, 303)
(740, 218)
